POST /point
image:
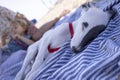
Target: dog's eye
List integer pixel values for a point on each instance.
(84, 25)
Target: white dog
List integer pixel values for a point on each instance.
(92, 21)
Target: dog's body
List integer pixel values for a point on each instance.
(84, 30)
(40, 48)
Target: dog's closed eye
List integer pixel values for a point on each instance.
(84, 25)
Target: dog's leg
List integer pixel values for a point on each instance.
(39, 59)
(31, 53)
(36, 73)
(54, 37)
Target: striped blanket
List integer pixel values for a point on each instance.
(99, 61)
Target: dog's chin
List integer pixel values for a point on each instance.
(76, 49)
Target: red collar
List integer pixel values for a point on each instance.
(51, 50)
(71, 29)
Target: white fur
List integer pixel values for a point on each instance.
(93, 16)
(56, 37)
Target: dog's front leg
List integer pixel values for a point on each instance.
(36, 68)
(38, 61)
(31, 53)
(36, 73)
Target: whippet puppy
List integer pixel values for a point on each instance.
(92, 21)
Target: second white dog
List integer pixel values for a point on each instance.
(92, 21)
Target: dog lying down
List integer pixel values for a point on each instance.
(92, 21)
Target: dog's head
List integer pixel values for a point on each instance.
(92, 21)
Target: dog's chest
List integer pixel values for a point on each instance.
(61, 35)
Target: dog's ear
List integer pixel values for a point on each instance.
(92, 4)
(111, 12)
(88, 5)
(85, 7)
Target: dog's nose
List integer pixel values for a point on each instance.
(74, 49)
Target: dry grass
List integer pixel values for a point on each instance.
(65, 4)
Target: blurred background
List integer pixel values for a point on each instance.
(41, 10)
(30, 8)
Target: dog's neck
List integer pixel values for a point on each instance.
(74, 24)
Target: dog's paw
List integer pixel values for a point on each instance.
(30, 76)
(19, 76)
(27, 76)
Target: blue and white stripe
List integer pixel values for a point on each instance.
(99, 61)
